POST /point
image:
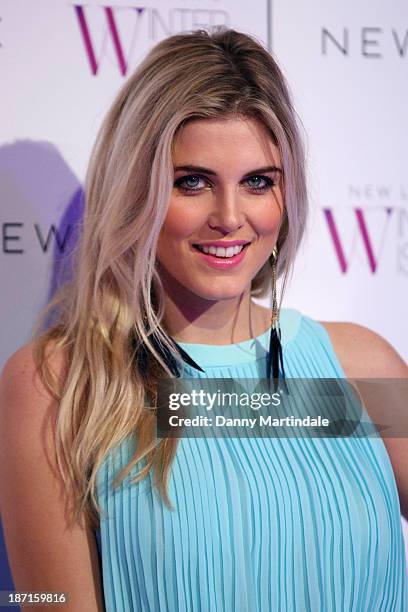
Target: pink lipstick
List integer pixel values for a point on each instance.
(223, 263)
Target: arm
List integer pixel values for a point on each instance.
(45, 552)
(365, 354)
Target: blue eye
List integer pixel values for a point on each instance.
(267, 183)
(190, 182)
(191, 178)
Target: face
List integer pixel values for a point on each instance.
(227, 190)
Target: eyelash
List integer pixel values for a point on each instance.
(269, 183)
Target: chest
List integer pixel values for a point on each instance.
(258, 520)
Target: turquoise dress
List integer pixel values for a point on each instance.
(260, 524)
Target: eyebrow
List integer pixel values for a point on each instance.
(190, 168)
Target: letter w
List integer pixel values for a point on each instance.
(362, 228)
(112, 29)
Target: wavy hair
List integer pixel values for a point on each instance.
(115, 293)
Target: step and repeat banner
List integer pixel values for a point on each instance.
(346, 62)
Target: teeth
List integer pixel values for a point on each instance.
(221, 251)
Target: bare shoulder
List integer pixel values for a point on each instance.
(363, 353)
(20, 379)
(27, 407)
(44, 547)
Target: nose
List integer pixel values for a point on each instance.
(228, 214)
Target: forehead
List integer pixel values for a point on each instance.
(238, 141)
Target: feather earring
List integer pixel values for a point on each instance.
(143, 356)
(275, 356)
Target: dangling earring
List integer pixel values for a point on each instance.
(275, 355)
(143, 357)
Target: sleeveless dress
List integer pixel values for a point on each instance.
(260, 524)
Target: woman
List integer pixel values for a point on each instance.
(195, 203)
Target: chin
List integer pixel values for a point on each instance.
(218, 293)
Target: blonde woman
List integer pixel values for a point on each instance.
(195, 199)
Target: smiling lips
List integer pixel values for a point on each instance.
(220, 257)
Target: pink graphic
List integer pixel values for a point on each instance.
(114, 34)
(363, 230)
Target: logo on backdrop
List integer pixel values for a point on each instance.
(14, 234)
(368, 42)
(147, 23)
(376, 230)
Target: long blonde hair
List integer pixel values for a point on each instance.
(115, 293)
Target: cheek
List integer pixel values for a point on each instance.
(184, 221)
(266, 219)
(181, 222)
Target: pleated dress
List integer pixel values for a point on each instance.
(261, 524)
